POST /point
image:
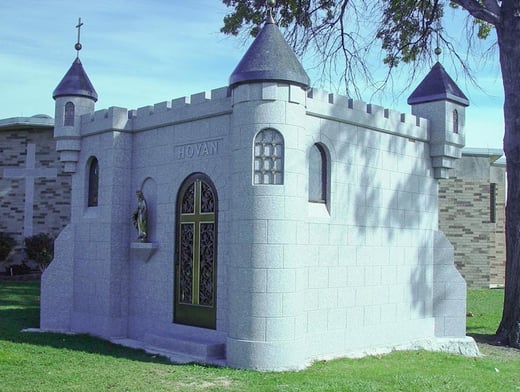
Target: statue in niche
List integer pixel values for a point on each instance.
(139, 218)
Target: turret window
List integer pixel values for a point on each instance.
(69, 114)
(268, 157)
(93, 183)
(455, 121)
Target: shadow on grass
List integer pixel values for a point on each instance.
(12, 322)
(490, 339)
(20, 309)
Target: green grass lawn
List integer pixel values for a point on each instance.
(54, 362)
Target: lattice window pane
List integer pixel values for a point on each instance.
(269, 157)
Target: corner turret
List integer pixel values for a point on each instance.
(442, 102)
(75, 95)
(268, 129)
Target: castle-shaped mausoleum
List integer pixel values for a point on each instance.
(282, 224)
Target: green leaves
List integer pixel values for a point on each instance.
(406, 29)
(249, 15)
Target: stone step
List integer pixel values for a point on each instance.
(203, 349)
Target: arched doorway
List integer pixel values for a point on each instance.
(196, 253)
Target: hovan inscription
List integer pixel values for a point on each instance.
(197, 150)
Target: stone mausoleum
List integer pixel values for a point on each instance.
(284, 224)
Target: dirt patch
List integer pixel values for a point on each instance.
(487, 346)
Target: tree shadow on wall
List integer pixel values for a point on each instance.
(395, 198)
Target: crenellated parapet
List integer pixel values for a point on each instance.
(201, 105)
(347, 110)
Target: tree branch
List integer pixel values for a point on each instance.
(488, 11)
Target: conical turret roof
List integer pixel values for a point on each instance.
(438, 86)
(75, 83)
(269, 58)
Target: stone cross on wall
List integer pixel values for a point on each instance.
(29, 173)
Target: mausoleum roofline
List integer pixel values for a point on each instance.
(269, 58)
(36, 121)
(438, 86)
(76, 83)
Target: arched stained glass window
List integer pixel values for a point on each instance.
(93, 182)
(318, 175)
(268, 157)
(455, 121)
(69, 114)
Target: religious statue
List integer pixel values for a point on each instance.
(139, 218)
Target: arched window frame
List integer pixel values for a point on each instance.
(68, 119)
(455, 121)
(93, 182)
(269, 156)
(319, 174)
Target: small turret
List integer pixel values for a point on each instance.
(442, 102)
(75, 95)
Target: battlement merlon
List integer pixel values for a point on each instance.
(179, 110)
(343, 109)
(269, 91)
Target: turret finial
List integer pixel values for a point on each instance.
(438, 49)
(78, 44)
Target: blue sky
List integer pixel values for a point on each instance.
(141, 52)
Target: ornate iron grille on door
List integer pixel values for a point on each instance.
(196, 257)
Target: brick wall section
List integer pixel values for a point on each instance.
(464, 216)
(51, 207)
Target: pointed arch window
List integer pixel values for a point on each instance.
(318, 174)
(93, 182)
(268, 157)
(69, 114)
(455, 121)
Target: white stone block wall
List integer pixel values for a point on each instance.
(56, 298)
(296, 281)
(166, 156)
(369, 260)
(266, 278)
(449, 291)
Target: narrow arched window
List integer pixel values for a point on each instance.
(318, 174)
(69, 114)
(268, 157)
(455, 121)
(93, 182)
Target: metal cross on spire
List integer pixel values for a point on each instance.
(78, 44)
